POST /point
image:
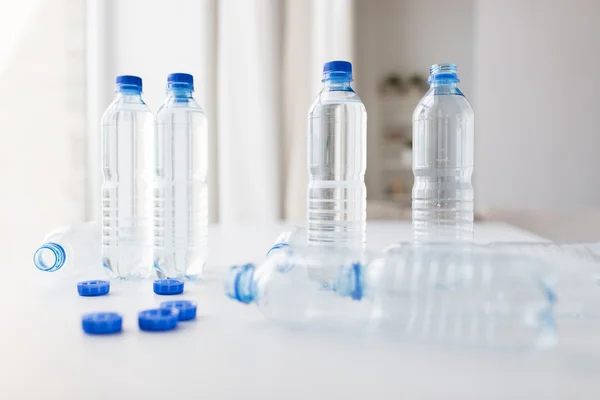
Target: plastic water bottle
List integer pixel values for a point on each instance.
(298, 288)
(180, 183)
(443, 160)
(456, 294)
(127, 134)
(337, 145)
(72, 252)
(450, 296)
(571, 270)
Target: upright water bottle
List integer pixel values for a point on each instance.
(73, 252)
(127, 134)
(180, 183)
(443, 160)
(337, 145)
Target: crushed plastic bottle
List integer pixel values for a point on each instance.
(72, 252)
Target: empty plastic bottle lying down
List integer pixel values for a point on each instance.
(72, 252)
(454, 295)
(572, 269)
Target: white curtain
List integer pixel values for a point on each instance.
(257, 67)
(263, 112)
(317, 31)
(249, 99)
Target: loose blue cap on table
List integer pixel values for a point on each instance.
(102, 323)
(168, 286)
(93, 288)
(129, 82)
(187, 309)
(158, 319)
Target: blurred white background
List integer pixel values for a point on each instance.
(528, 68)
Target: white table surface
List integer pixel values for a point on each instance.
(232, 352)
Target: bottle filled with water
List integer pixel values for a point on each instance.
(337, 144)
(127, 134)
(180, 183)
(72, 252)
(443, 160)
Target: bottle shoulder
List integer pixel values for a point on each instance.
(120, 106)
(179, 106)
(443, 105)
(334, 97)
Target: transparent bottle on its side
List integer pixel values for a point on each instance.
(443, 161)
(72, 252)
(180, 183)
(337, 162)
(456, 293)
(298, 288)
(126, 136)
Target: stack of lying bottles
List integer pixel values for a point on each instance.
(499, 293)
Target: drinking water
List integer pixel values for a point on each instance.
(180, 183)
(443, 160)
(337, 162)
(73, 252)
(126, 140)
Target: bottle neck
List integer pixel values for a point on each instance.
(179, 93)
(50, 257)
(130, 95)
(442, 88)
(335, 84)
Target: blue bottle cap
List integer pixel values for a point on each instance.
(187, 309)
(180, 77)
(337, 70)
(158, 319)
(93, 288)
(135, 82)
(168, 286)
(102, 323)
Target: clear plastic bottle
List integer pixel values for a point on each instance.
(456, 294)
(337, 162)
(451, 295)
(298, 288)
(180, 183)
(127, 134)
(443, 161)
(72, 252)
(571, 270)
